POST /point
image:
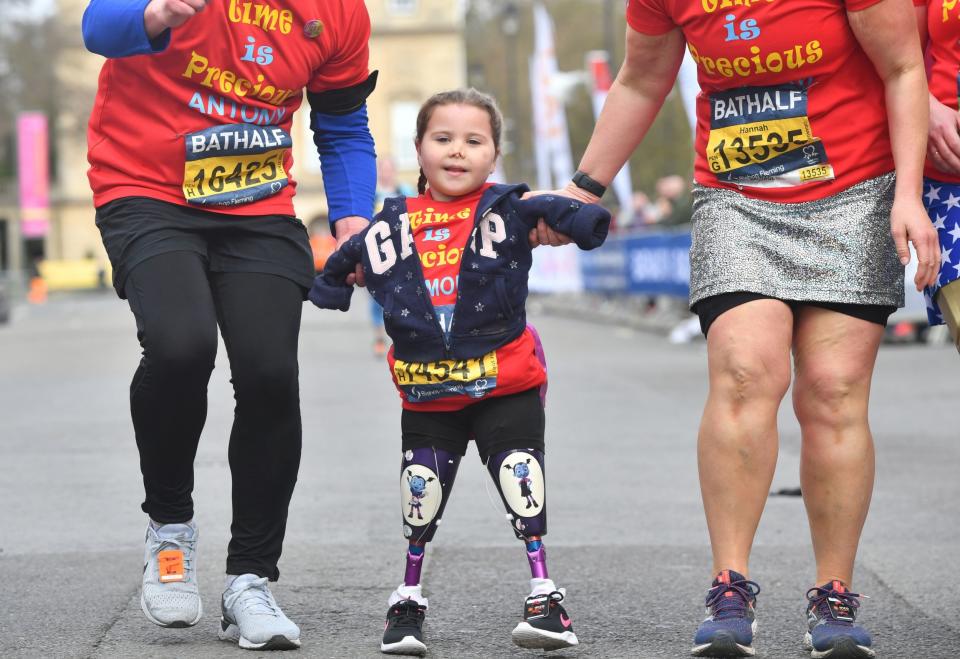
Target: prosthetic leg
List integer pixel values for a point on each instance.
(426, 479)
(519, 477)
(948, 299)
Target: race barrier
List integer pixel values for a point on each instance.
(648, 263)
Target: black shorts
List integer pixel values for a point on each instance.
(497, 424)
(135, 229)
(710, 308)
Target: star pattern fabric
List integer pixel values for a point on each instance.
(942, 201)
(497, 312)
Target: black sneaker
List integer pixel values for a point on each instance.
(545, 626)
(403, 633)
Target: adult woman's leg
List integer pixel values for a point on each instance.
(748, 350)
(259, 318)
(834, 358)
(177, 329)
(170, 297)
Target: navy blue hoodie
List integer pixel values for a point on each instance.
(492, 284)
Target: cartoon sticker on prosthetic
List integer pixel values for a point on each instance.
(521, 481)
(420, 495)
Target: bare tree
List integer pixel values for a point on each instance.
(498, 63)
(29, 46)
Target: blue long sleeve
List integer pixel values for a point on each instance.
(348, 162)
(114, 28)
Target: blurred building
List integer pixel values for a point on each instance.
(417, 45)
(419, 48)
(9, 229)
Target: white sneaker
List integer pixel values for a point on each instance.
(170, 596)
(253, 619)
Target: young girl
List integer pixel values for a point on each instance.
(450, 269)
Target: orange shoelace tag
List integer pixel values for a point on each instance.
(170, 564)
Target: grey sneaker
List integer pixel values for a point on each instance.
(170, 597)
(252, 618)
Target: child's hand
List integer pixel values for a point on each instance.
(544, 235)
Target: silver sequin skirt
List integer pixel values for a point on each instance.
(837, 249)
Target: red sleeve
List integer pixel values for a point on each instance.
(919, 3)
(649, 17)
(857, 5)
(348, 63)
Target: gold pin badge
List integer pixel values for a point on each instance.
(313, 28)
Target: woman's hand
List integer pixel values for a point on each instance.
(909, 222)
(649, 69)
(943, 145)
(898, 60)
(343, 229)
(544, 235)
(160, 15)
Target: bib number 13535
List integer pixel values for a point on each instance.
(761, 137)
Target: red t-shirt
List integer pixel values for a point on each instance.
(208, 119)
(440, 233)
(791, 108)
(943, 35)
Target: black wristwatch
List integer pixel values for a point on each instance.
(584, 182)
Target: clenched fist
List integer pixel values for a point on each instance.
(163, 14)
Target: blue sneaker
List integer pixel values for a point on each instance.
(831, 624)
(731, 620)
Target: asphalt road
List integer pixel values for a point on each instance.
(627, 534)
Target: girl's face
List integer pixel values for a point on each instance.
(456, 152)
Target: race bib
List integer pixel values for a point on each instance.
(420, 381)
(234, 164)
(761, 137)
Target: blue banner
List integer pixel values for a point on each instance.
(650, 263)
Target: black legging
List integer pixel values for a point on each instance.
(178, 304)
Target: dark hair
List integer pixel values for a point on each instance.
(468, 96)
